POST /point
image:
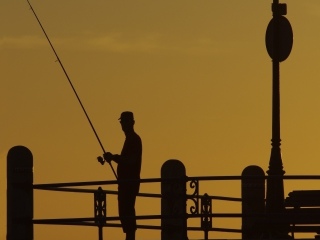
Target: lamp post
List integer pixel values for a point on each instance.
(279, 40)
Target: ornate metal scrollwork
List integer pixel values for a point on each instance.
(100, 206)
(194, 196)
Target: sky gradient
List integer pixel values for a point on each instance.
(196, 74)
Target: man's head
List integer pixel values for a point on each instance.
(127, 121)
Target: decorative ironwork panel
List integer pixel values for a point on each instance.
(206, 211)
(194, 197)
(100, 206)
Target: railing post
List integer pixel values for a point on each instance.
(19, 194)
(173, 201)
(253, 202)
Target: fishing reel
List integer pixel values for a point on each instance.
(101, 160)
(104, 159)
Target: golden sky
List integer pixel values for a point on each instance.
(195, 73)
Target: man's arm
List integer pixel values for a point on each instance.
(109, 157)
(118, 158)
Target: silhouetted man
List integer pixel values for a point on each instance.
(128, 170)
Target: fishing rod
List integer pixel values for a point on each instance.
(100, 159)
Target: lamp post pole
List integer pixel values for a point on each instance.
(279, 39)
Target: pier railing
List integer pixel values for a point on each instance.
(181, 200)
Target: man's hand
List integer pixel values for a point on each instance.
(108, 156)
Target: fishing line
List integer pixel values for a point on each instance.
(69, 80)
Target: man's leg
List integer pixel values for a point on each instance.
(131, 235)
(126, 203)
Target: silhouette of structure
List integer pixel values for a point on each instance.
(19, 194)
(253, 202)
(174, 213)
(173, 201)
(279, 40)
